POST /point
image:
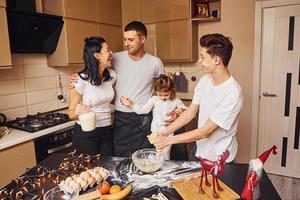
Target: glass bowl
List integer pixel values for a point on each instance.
(57, 194)
(148, 160)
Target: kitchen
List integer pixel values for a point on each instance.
(31, 83)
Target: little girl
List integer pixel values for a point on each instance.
(163, 102)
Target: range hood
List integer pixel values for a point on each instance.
(32, 32)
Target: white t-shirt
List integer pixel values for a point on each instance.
(160, 109)
(221, 104)
(99, 97)
(135, 78)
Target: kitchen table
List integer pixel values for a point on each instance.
(234, 175)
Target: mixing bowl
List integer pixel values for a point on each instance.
(57, 194)
(148, 160)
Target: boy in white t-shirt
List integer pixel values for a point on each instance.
(217, 97)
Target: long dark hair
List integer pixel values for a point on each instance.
(91, 70)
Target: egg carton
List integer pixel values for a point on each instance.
(80, 182)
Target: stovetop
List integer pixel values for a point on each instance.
(39, 121)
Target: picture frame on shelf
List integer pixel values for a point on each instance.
(201, 9)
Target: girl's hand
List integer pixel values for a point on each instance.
(72, 80)
(80, 109)
(126, 102)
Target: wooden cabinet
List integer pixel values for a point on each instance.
(131, 10)
(77, 9)
(5, 55)
(174, 41)
(14, 161)
(164, 10)
(113, 36)
(70, 45)
(110, 12)
(2, 3)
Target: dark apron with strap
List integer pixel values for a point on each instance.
(130, 132)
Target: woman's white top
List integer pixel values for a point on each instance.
(221, 104)
(160, 109)
(100, 98)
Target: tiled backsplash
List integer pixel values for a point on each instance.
(30, 86)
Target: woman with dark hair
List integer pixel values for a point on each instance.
(94, 92)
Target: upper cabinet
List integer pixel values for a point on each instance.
(2, 3)
(103, 11)
(77, 9)
(110, 12)
(84, 19)
(164, 10)
(5, 55)
(131, 10)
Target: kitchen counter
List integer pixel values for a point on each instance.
(17, 137)
(234, 175)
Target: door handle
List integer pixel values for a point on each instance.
(265, 94)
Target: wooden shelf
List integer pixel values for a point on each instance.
(206, 19)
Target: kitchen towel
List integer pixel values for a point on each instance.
(180, 82)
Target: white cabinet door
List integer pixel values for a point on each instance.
(279, 107)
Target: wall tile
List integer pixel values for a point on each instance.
(42, 107)
(41, 96)
(38, 70)
(11, 114)
(11, 87)
(12, 101)
(16, 72)
(32, 84)
(34, 59)
(17, 59)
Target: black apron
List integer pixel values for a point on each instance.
(130, 132)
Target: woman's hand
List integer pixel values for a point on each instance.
(126, 102)
(72, 80)
(80, 109)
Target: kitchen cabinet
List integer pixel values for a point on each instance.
(70, 45)
(131, 10)
(176, 41)
(113, 36)
(14, 161)
(164, 10)
(2, 3)
(109, 12)
(77, 9)
(5, 55)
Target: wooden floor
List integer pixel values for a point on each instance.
(288, 188)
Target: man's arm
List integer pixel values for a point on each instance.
(205, 131)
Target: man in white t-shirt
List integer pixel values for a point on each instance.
(218, 98)
(135, 70)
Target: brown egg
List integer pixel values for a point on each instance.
(67, 181)
(83, 185)
(75, 176)
(85, 175)
(98, 177)
(76, 186)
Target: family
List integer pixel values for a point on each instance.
(145, 99)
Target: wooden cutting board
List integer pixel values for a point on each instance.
(188, 188)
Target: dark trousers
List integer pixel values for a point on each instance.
(130, 132)
(93, 142)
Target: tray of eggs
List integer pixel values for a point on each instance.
(80, 182)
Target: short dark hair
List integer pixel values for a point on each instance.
(136, 26)
(217, 45)
(163, 83)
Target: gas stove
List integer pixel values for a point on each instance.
(39, 121)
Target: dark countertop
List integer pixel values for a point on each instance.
(234, 175)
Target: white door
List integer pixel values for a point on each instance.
(279, 105)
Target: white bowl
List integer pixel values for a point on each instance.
(148, 160)
(57, 194)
